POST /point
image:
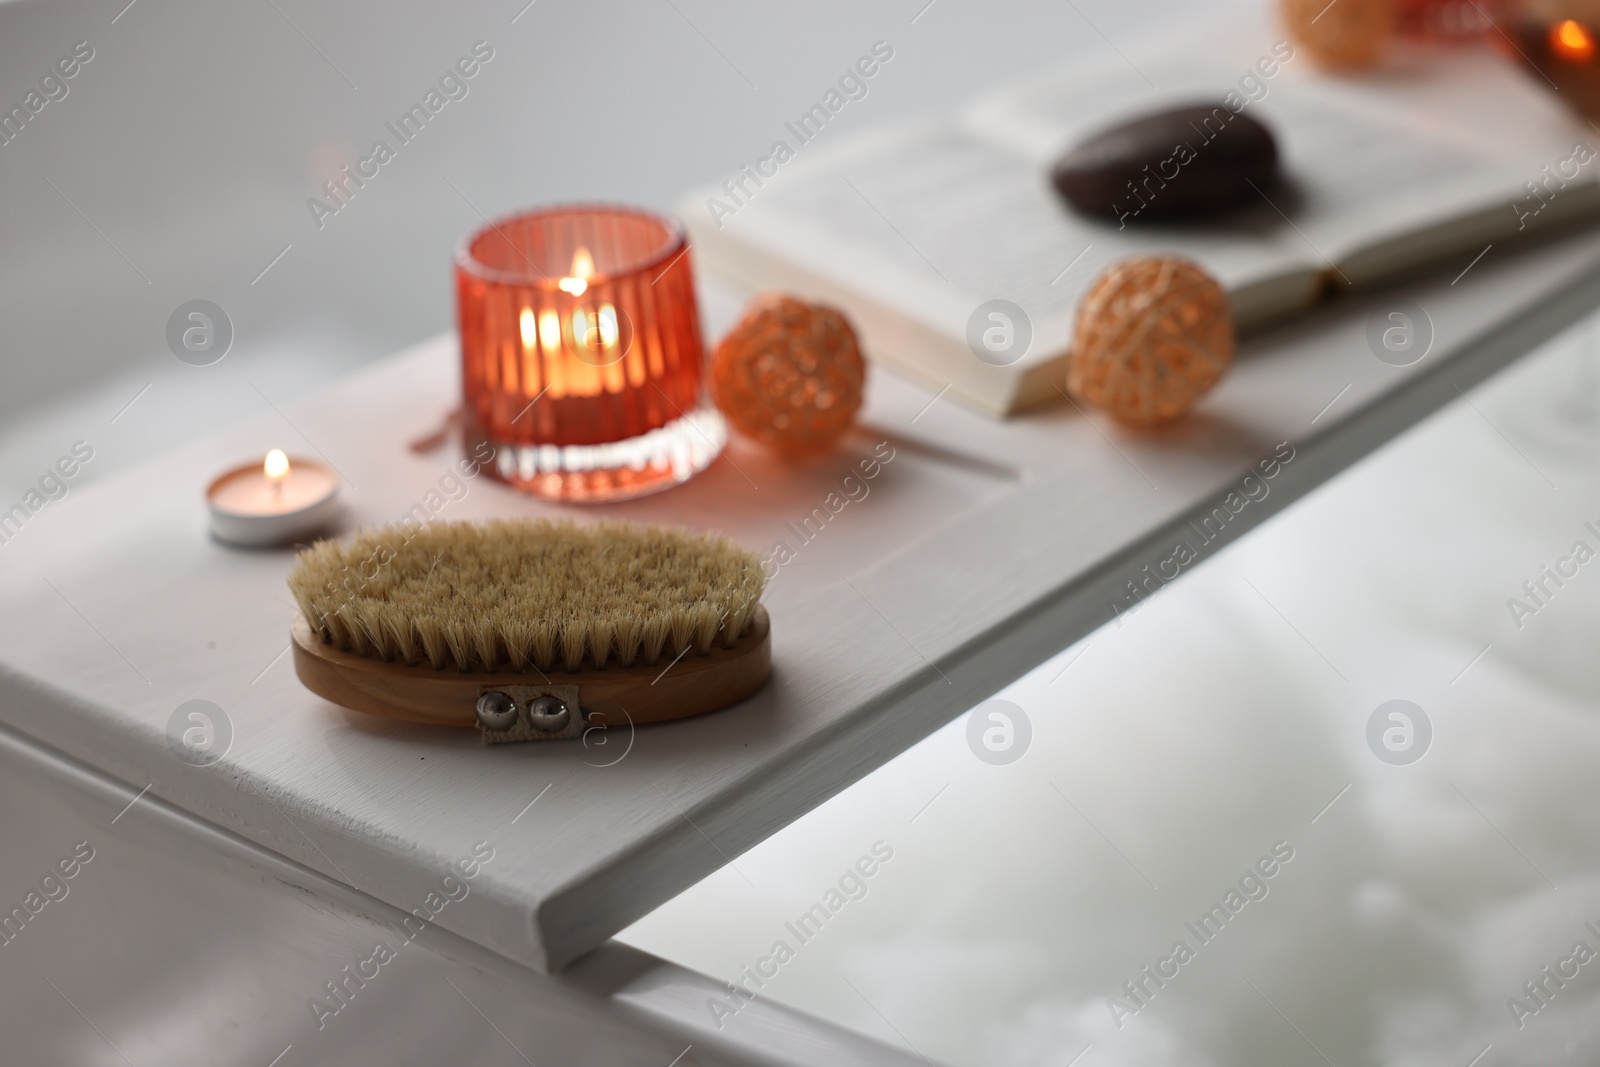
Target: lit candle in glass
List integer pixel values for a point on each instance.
(1570, 42)
(581, 356)
(1557, 39)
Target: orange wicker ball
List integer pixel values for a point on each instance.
(1345, 35)
(789, 375)
(1153, 334)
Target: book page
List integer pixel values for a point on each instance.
(1355, 179)
(931, 221)
(1042, 115)
(1472, 95)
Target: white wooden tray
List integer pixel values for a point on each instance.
(976, 552)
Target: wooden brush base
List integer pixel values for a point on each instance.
(615, 696)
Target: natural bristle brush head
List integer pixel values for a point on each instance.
(531, 630)
(515, 596)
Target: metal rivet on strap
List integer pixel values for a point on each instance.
(496, 711)
(548, 713)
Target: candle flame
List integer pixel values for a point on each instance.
(1570, 41)
(550, 330)
(530, 333)
(582, 271)
(598, 334)
(596, 328)
(276, 466)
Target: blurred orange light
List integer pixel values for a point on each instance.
(1571, 42)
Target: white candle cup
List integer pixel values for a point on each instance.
(251, 509)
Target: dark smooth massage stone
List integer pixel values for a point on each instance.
(1189, 162)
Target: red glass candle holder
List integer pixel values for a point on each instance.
(1445, 21)
(581, 356)
(1558, 40)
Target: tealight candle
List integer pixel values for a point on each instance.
(276, 502)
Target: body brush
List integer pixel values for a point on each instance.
(531, 629)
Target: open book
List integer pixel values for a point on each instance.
(911, 229)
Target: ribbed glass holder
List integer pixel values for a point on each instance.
(581, 355)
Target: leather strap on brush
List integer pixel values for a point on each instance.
(511, 713)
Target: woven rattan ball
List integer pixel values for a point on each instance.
(1153, 334)
(1346, 35)
(789, 375)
